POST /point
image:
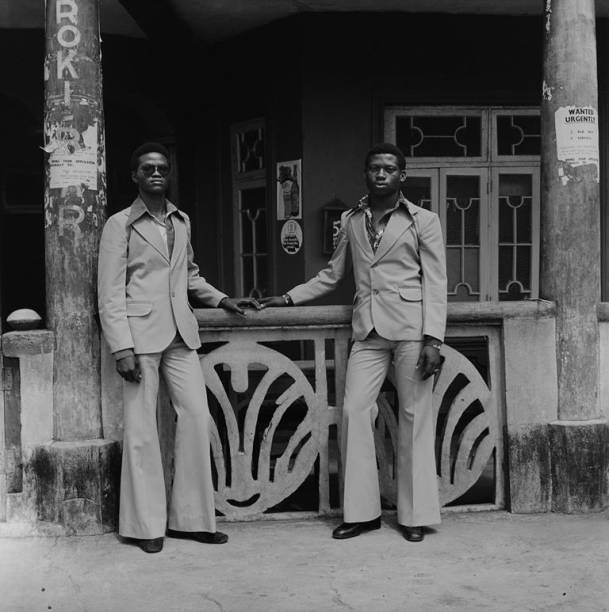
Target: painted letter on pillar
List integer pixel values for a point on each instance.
(73, 127)
(74, 210)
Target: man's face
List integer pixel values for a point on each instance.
(152, 174)
(383, 175)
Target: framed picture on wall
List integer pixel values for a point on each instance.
(331, 224)
(289, 190)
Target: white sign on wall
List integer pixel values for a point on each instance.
(576, 137)
(291, 237)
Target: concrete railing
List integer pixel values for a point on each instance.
(275, 384)
(259, 464)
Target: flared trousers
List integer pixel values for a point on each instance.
(143, 505)
(417, 485)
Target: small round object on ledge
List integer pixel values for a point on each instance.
(24, 319)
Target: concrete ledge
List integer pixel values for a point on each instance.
(489, 312)
(340, 315)
(294, 316)
(580, 465)
(34, 342)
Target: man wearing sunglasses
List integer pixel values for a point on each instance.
(146, 277)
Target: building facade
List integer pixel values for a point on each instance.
(268, 112)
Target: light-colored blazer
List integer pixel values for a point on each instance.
(400, 289)
(142, 294)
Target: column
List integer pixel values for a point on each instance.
(71, 482)
(570, 250)
(74, 206)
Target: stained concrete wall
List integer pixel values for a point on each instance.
(66, 487)
(531, 403)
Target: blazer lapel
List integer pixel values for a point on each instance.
(399, 222)
(358, 223)
(180, 237)
(145, 227)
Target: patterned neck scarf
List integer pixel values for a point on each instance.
(375, 233)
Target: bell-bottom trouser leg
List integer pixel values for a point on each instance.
(418, 500)
(418, 495)
(143, 506)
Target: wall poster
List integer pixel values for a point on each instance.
(72, 156)
(576, 139)
(289, 190)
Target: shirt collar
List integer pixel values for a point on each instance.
(139, 208)
(364, 205)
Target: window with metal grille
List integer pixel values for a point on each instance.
(250, 208)
(478, 168)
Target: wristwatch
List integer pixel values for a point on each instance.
(287, 299)
(434, 344)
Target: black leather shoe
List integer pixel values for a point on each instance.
(350, 530)
(154, 545)
(414, 534)
(204, 537)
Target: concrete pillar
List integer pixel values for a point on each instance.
(71, 482)
(74, 205)
(570, 250)
(570, 254)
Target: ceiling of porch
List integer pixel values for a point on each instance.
(213, 20)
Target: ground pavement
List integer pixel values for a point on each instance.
(474, 561)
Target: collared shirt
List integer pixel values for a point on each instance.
(166, 229)
(375, 233)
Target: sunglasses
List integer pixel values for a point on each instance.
(150, 169)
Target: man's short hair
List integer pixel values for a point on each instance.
(386, 148)
(147, 147)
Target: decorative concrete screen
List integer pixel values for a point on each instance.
(275, 393)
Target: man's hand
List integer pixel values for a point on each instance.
(129, 368)
(234, 305)
(429, 361)
(275, 301)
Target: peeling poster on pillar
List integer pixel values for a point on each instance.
(73, 156)
(576, 139)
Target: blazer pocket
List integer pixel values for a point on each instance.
(411, 294)
(138, 309)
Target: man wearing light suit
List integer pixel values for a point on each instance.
(399, 316)
(146, 276)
